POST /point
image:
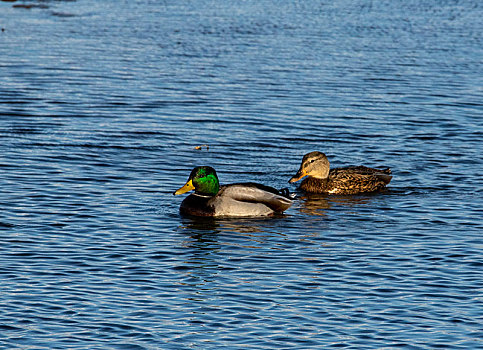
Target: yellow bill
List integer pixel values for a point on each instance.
(186, 188)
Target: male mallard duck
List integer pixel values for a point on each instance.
(242, 199)
(347, 180)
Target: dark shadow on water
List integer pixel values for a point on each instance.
(320, 204)
(6, 225)
(194, 225)
(200, 226)
(204, 250)
(314, 204)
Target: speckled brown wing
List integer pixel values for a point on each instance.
(352, 183)
(358, 179)
(349, 180)
(360, 169)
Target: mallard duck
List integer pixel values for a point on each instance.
(241, 199)
(347, 180)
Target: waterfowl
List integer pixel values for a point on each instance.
(348, 180)
(240, 199)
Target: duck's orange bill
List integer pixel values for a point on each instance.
(300, 174)
(186, 188)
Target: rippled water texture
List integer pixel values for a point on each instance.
(102, 104)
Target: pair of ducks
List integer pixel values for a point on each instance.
(252, 199)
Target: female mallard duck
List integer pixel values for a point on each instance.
(347, 180)
(242, 199)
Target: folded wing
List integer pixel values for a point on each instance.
(256, 193)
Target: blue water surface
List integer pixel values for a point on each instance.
(102, 104)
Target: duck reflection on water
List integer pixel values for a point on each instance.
(200, 226)
(319, 204)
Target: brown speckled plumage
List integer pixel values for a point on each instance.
(348, 180)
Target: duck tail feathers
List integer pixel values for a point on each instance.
(384, 177)
(286, 193)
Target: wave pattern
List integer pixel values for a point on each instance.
(101, 106)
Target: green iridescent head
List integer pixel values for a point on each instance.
(203, 180)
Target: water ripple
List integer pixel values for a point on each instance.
(102, 106)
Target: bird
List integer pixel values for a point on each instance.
(347, 180)
(211, 199)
